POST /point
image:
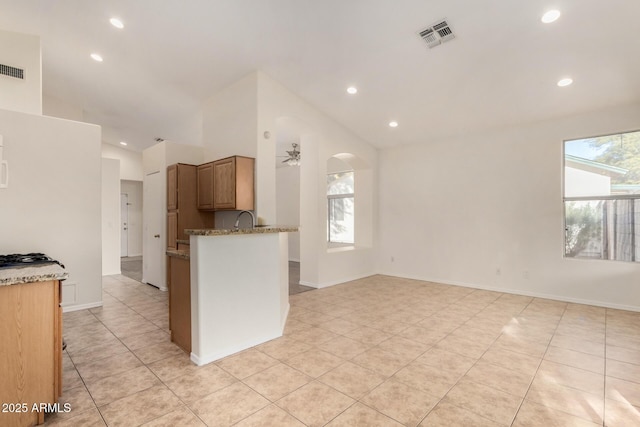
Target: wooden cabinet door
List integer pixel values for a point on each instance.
(205, 186)
(180, 302)
(224, 183)
(57, 310)
(244, 183)
(172, 187)
(172, 230)
(28, 349)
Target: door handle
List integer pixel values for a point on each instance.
(157, 236)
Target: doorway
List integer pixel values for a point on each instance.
(153, 205)
(131, 233)
(124, 219)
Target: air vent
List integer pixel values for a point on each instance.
(14, 72)
(436, 34)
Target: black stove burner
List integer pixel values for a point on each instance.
(22, 260)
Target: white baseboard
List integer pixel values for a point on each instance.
(334, 282)
(77, 307)
(208, 358)
(284, 318)
(519, 292)
(111, 273)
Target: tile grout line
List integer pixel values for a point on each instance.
(540, 363)
(136, 356)
(151, 370)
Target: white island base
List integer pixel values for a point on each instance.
(239, 291)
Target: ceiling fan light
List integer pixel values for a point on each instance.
(294, 156)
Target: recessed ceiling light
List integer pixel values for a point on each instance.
(123, 143)
(96, 57)
(550, 16)
(352, 90)
(116, 23)
(393, 124)
(565, 82)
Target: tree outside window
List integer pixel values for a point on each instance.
(340, 201)
(602, 197)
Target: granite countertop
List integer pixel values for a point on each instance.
(179, 254)
(257, 230)
(32, 273)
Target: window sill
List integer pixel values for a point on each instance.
(340, 247)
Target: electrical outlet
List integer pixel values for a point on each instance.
(525, 274)
(393, 259)
(498, 271)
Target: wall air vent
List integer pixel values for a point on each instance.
(438, 33)
(14, 72)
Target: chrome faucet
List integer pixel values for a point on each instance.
(253, 219)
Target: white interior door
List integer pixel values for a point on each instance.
(124, 227)
(153, 235)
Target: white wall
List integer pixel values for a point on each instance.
(457, 211)
(54, 107)
(288, 205)
(235, 121)
(130, 161)
(321, 138)
(229, 120)
(110, 217)
(53, 201)
(21, 51)
(133, 189)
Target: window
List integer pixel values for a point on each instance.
(602, 197)
(340, 227)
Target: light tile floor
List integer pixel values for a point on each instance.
(380, 351)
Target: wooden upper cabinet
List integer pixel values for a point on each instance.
(226, 184)
(224, 179)
(172, 187)
(205, 186)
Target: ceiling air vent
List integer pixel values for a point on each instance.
(439, 32)
(14, 72)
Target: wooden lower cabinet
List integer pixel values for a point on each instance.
(30, 351)
(180, 302)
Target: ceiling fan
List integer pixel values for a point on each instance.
(294, 156)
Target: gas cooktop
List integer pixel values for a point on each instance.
(24, 260)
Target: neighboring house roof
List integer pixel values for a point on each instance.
(593, 166)
(625, 188)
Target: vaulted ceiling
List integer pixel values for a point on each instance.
(500, 69)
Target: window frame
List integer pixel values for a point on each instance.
(330, 197)
(614, 197)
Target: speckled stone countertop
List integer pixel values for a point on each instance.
(32, 273)
(257, 230)
(179, 254)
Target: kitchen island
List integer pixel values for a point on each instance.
(239, 289)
